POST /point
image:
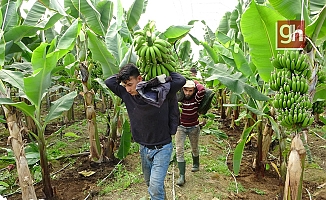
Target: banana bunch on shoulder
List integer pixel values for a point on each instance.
(155, 56)
(290, 81)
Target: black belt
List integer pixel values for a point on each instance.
(160, 146)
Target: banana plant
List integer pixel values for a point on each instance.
(20, 36)
(227, 46)
(110, 52)
(34, 88)
(262, 45)
(16, 140)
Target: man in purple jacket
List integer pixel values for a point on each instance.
(151, 124)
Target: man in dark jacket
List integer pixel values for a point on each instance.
(189, 126)
(151, 123)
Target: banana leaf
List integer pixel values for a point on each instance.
(174, 33)
(235, 82)
(102, 55)
(27, 109)
(91, 15)
(114, 43)
(59, 106)
(134, 13)
(15, 78)
(185, 50)
(35, 14)
(105, 8)
(238, 151)
(125, 141)
(261, 40)
(290, 9)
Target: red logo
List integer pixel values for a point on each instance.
(290, 35)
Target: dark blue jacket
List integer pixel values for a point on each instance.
(151, 125)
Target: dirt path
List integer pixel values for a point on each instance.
(214, 180)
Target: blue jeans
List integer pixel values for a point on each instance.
(155, 164)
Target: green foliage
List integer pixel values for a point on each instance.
(125, 141)
(262, 41)
(238, 152)
(219, 166)
(37, 173)
(7, 181)
(233, 187)
(122, 179)
(258, 191)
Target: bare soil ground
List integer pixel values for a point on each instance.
(213, 181)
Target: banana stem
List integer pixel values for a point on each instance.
(149, 38)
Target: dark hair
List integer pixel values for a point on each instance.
(127, 71)
(193, 70)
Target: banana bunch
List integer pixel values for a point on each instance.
(294, 109)
(293, 117)
(318, 107)
(155, 56)
(291, 60)
(284, 100)
(289, 80)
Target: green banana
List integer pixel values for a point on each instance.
(142, 53)
(154, 70)
(165, 71)
(162, 48)
(169, 67)
(158, 53)
(152, 53)
(162, 42)
(148, 55)
(305, 121)
(139, 32)
(276, 63)
(159, 69)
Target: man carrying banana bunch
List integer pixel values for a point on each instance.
(154, 116)
(193, 94)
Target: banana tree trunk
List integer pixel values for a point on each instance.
(221, 100)
(24, 175)
(95, 147)
(259, 157)
(46, 179)
(103, 103)
(266, 142)
(113, 129)
(295, 169)
(283, 167)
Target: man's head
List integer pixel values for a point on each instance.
(193, 71)
(189, 89)
(129, 77)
